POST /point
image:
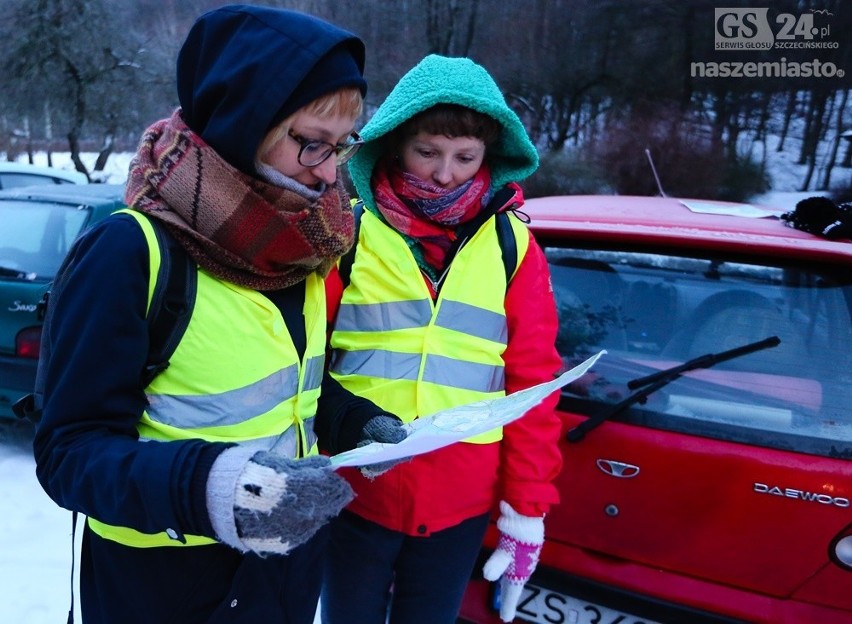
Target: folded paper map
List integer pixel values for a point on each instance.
(457, 423)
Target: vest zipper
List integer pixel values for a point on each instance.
(436, 285)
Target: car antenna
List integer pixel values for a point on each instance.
(654, 170)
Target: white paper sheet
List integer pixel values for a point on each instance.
(451, 425)
(739, 210)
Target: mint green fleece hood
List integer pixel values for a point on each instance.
(442, 80)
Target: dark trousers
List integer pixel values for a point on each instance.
(199, 584)
(374, 575)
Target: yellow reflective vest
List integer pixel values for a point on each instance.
(409, 354)
(235, 377)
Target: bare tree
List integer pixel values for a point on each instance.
(75, 58)
(450, 26)
(835, 143)
(99, 71)
(813, 133)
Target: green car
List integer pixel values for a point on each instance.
(38, 225)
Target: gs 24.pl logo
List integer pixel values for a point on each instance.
(752, 29)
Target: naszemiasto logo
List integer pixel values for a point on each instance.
(754, 29)
(740, 29)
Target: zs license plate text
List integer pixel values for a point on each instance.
(547, 607)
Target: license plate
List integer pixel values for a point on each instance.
(548, 607)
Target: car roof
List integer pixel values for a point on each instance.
(87, 194)
(668, 221)
(71, 176)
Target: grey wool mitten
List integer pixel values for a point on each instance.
(385, 428)
(269, 504)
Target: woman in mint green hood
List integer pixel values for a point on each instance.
(441, 80)
(446, 302)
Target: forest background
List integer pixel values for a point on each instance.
(599, 85)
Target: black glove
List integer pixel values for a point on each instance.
(268, 503)
(385, 428)
(821, 216)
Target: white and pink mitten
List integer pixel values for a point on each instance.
(521, 539)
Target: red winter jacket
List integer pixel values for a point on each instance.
(440, 489)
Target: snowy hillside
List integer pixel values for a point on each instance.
(786, 176)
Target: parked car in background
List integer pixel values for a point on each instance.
(16, 175)
(715, 484)
(38, 224)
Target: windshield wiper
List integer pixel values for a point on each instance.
(655, 381)
(7, 272)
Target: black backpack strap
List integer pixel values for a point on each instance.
(506, 237)
(345, 266)
(168, 316)
(70, 619)
(508, 244)
(171, 304)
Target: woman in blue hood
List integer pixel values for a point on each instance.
(197, 482)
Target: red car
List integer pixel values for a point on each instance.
(707, 454)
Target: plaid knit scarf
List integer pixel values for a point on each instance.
(236, 227)
(425, 214)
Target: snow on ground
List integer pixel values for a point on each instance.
(786, 177)
(35, 541)
(115, 171)
(785, 174)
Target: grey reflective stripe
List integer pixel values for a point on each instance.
(287, 443)
(467, 375)
(226, 408)
(439, 369)
(313, 372)
(473, 321)
(376, 363)
(383, 316)
(455, 315)
(284, 444)
(310, 436)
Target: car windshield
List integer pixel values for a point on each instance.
(36, 236)
(17, 180)
(652, 311)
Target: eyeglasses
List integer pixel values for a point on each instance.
(313, 153)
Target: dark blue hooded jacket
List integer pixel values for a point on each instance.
(241, 69)
(274, 63)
